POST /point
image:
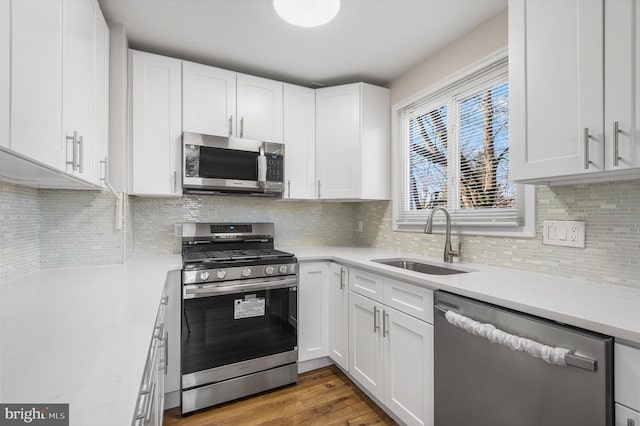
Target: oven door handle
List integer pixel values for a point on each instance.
(206, 290)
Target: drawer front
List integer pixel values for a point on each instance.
(410, 299)
(367, 284)
(627, 376)
(626, 416)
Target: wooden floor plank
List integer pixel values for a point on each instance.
(321, 397)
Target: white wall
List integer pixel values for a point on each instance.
(481, 41)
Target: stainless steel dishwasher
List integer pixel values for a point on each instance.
(481, 379)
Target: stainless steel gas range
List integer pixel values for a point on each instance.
(239, 322)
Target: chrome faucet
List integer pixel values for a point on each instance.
(428, 229)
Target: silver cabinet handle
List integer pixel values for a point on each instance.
(341, 278)
(616, 150)
(241, 127)
(74, 146)
(385, 317)
(231, 125)
(288, 189)
(376, 326)
(175, 182)
(152, 396)
(318, 189)
(587, 136)
(160, 332)
(166, 352)
(80, 156)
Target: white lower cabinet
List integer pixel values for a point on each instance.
(391, 351)
(408, 367)
(365, 345)
(339, 314)
(627, 385)
(313, 324)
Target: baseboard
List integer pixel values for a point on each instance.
(313, 364)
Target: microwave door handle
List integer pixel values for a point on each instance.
(262, 167)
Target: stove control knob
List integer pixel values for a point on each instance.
(268, 270)
(220, 274)
(282, 269)
(204, 275)
(246, 272)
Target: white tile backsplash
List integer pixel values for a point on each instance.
(611, 256)
(55, 228)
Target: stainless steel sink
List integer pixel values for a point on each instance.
(424, 268)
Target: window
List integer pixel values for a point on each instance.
(453, 151)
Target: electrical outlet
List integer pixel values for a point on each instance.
(568, 233)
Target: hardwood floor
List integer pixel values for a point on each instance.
(321, 397)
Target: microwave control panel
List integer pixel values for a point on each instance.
(275, 168)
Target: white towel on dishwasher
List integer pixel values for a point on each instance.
(548, 354)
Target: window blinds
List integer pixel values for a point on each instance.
(452, 151)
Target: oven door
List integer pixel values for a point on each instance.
(239, 327)
(215, 163)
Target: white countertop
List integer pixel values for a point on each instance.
(610, 310)
(81, 336)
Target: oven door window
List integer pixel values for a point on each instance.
(226, 329)
(220, 163)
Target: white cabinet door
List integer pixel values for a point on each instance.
(36, 81)
(300, 142)
(408, 367)
(625, 416)
(79, 46)
(622, 88)
(156, 143)
(627, 375)
(408, 298)
(173, 315)
(101, 101)
(365, 343)
(259, 103)
(366, 284)
(5, 71)
(313, 332)
(556, 88)
(338, 142)
(339, 314)
(209, 99)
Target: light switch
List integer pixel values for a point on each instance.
(569, 233)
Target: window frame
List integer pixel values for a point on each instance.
(449, 92)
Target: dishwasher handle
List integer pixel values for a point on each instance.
(478, 329)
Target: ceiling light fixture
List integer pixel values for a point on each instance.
(307, 13)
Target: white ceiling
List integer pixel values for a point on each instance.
(370, 40)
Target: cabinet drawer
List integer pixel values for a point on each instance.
(408, 298)
(626, 416)
(627, 376)
(366, 284)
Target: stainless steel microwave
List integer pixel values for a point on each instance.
(220, 165)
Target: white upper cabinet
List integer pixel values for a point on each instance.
(36, 81)
(101, 94)
(59, 92)
(352, 142)
(209, 99)
(5, 71)
(300, 142)
(259, 106)
(79, 51)
(156, 140)
(573, 77)
(622, 84)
